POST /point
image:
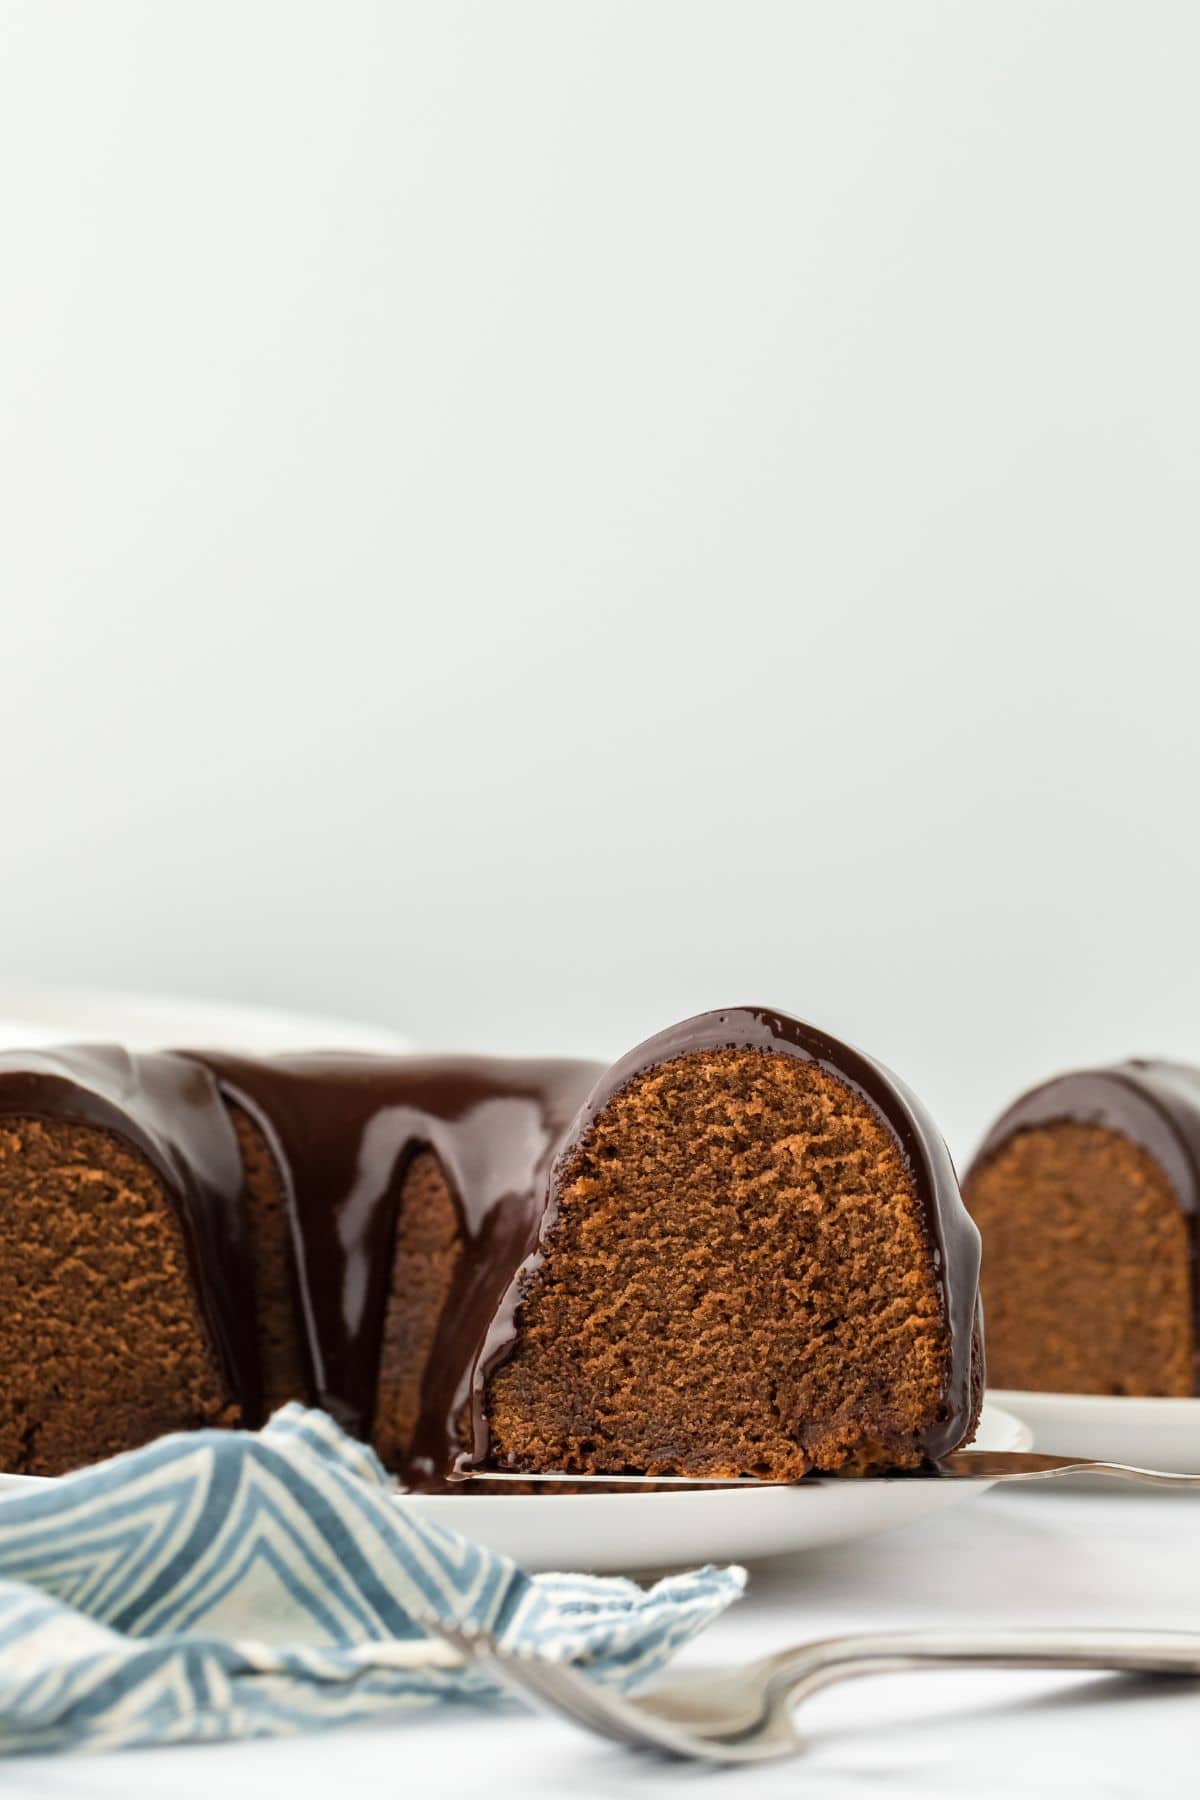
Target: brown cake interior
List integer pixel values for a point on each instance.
(283, 1360)
(100, 1340)
(737, 1282)
(1086, 1265)
(427, 1247)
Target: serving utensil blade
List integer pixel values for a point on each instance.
(959, 1465)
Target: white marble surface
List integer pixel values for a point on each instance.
(1036, 1557)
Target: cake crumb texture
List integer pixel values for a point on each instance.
(283, 1360)
(737, 1281)
(1086, 1265)
(100, 1341)
(425, 1255)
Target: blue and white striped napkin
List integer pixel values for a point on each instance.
(252, 1584)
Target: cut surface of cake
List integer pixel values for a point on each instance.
(124, 1301)
(1085, 1192)
(754, 1260)
(740, 1250)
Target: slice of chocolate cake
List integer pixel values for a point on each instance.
(125, 1308)
(1086, 1194)
(754, 1260)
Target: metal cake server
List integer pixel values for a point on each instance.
(744, 1715)
(960, 1465)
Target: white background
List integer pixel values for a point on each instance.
(525, 521)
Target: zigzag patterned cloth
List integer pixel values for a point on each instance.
(252, 1584)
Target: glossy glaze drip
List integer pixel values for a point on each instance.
(343, 1129)
(951, 1233)
(168, 1110)
(1155, 1104)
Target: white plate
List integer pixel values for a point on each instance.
(1151, 1434)
(31, 1017)
(616, 1533)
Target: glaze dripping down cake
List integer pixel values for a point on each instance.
(740, 1250)
(1086, 1192)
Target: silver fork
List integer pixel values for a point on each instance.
(744, 1715)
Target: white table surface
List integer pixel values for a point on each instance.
(1013, 1557)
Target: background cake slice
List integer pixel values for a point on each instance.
(125, 1299)
(1085, 1191)
(426, 1256)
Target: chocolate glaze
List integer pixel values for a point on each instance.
(1156, 1104)
(169, 1111)
(343, 1130)
(951, 1233)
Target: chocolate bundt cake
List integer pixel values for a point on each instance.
(740, 1250)
(1086, 1194)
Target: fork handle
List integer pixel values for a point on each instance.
(800, 1672)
